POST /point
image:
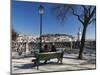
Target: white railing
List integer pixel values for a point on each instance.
(28, 49)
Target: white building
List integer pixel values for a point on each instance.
(25, 38)
(57, 38)
(46, 38)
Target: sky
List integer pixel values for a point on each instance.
(26, 20)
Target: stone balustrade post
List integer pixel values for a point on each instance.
(27, 48)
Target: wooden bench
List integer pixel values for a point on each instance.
(47, 56)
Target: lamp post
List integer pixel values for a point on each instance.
(41, 12)
(79, 37)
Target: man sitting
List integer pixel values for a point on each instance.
(46, 49)
(53, 48)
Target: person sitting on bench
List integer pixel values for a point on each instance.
(46, 50)
(53, 48)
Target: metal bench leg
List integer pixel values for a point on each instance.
(37, 64)
(61, 60)
(37, 67)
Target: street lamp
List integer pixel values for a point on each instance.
(41, 12)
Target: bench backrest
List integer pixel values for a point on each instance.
(48, 55)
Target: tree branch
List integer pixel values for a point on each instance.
(89, 9)
(94, 19)
(85, 9)
(78, 16)
(92, 13)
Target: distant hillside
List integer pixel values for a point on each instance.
(56, 35)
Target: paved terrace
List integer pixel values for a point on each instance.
(70, 62)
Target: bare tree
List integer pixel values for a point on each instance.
(86, 14)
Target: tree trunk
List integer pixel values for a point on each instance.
(82, 42)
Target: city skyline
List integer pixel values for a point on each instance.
(26, 20)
